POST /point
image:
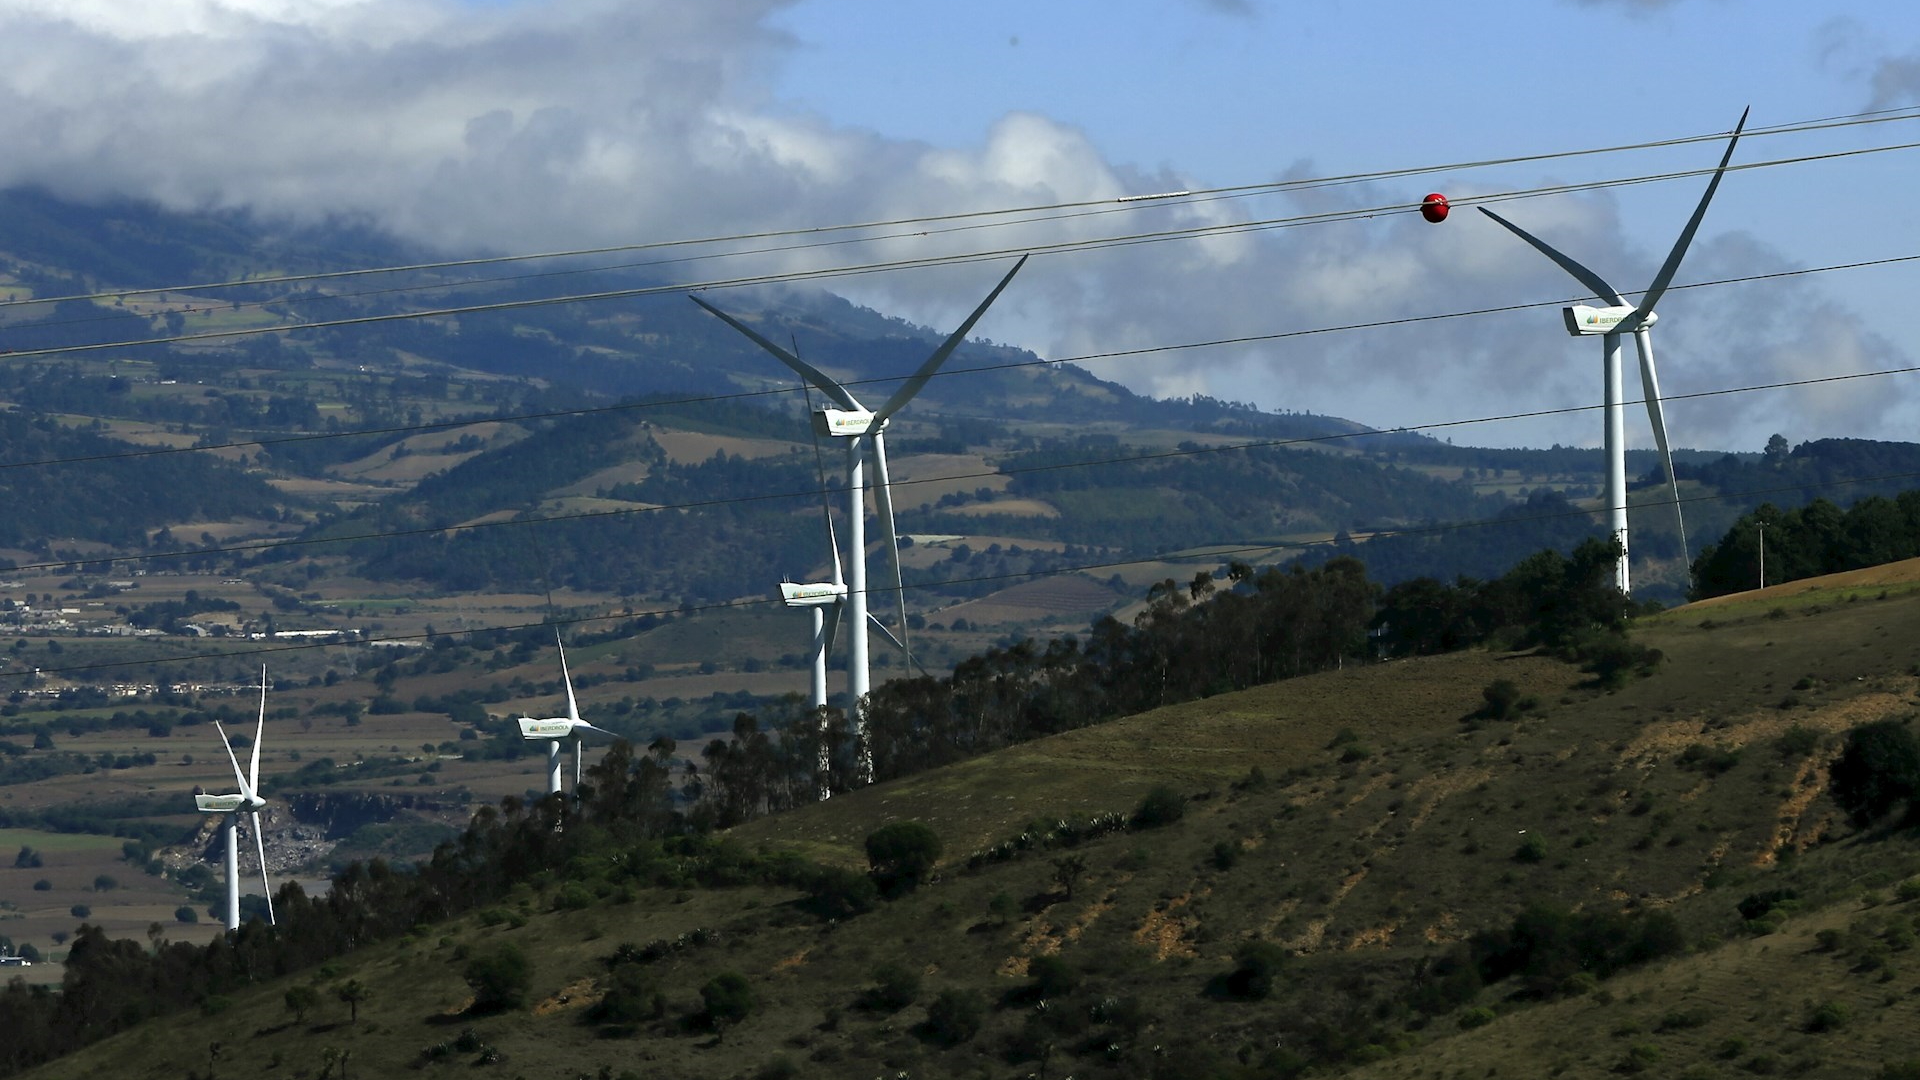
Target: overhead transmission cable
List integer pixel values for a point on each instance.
(1047, 213)
(864, 269)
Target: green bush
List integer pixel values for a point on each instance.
(1162, 806)
(1477, 1017)
(835, 892)
(500, 977)
(1828, 1016)
(902, 855)
(630, 998)
(1256, 963)
(1052, 976)
(895, 987)
(728, 998)
(299, 999)
(1878, 772)
(1502, 697)
(1531, 850)
(954, 1017)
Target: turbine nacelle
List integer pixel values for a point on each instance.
(555, 727)
(813, 594)
(846, 423)
(1584, 320)
(221, 804)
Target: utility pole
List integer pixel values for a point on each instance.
(1763, 553)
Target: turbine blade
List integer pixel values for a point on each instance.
(883, 494)
(1656, 414)
(805, 370)
(260, 844)
(259, 729)
(238, 776)
(888, 634)
(833, 623)
(833, 542)
(885, 631)
(573, 707)
(1672, 266)
(912, 386)
(1580, 273)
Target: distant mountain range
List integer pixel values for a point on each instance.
(1074, 469)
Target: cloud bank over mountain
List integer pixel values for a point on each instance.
(519, 127)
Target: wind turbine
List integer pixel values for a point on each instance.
(247, 799)
(865, 430)
(826, 601)
(1610, 323)
(559, 728)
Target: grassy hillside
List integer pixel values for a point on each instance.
(1364, 820)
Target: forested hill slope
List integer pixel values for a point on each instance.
(1367, 871)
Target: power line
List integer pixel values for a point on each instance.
(1792, 127)
(1081, 245)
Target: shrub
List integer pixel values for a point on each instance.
(902, 856)
(1052, 976)
(1502, 698)
(1533, 849)
(1161, 806)
(1878, 772)
(299, 999)
(1256, 963)
(630, 998)
(1797, 741)
(185, 914)
(835, 892)
(1828, 1016)
(500, 977)
(894, 987)
(1712, 760)
(1477, 1017)
(779, 1067)
(954, 1017)
(728, 998)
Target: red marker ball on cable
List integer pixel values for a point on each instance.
(1434, 208)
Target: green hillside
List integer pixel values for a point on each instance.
(1371, 825)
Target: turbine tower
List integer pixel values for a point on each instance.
(247, 800)
(865, 431)
(1609, 323)
(556, 729)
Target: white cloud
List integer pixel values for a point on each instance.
(539, 126)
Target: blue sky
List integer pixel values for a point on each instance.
(525, 125)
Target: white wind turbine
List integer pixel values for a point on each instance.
(826, 601)
(247, 800)
(556, 729)
(1610, 323)
(865, 431)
